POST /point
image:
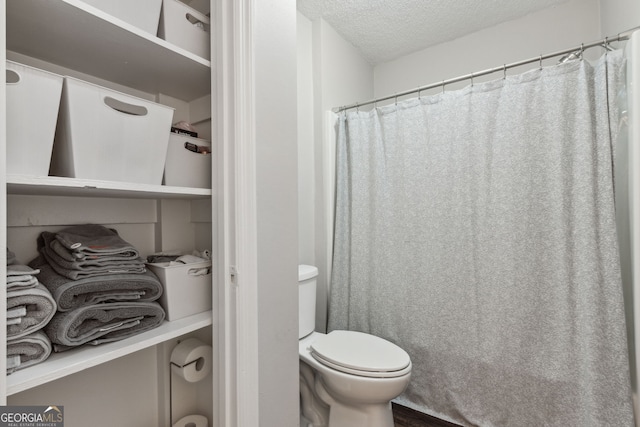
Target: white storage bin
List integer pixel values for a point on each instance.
(185, 27)
(144, 14)
(33, 99)
(108, 135)
(188, 162)
(187, 290)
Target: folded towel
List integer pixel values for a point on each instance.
(76, 268)
(20, 270)
(15, 315)
(71, 294)
(13, 362)
(28, 350)
(102, 323)
(21, 276)
(95, 240)
(77, 258)
(39, 305)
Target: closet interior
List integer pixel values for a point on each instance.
(126, 382)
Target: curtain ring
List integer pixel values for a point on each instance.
(541, 61)
(443, 86)
(357, 107)
(419, 93)
(396, 99)
(504, 70)
(471, 79)
(582, 50)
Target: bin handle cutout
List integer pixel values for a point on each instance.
(12, 77)
(196, 22)
(123, 107)
(199, 149)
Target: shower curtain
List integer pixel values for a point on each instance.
(476, 230)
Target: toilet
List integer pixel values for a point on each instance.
(347, 378)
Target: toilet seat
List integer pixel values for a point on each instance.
(361, 354)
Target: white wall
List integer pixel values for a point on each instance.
(306, 166)
(549, 30)
(274, 62)
(332, 72)
(618, 16)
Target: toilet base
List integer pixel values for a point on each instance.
(355, 414)
(379, 415)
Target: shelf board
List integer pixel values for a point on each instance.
(59, 365)
(75, 35)
(75, 187)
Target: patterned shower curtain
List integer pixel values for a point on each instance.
(476, 230)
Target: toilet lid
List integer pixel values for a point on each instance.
(359, 353)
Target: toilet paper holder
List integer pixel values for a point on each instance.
(191, 360)
(197, 364)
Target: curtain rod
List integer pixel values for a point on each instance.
(604, 43)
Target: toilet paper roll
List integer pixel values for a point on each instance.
(191, 360)
(192, 421)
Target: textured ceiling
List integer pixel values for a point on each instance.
(387, 29)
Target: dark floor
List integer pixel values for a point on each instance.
(406, 417)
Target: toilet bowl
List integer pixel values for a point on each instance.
(347, 378)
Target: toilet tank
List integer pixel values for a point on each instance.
(307, 275)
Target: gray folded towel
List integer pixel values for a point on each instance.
(15, 315)
(71, 294)
(92, 240)
(27, 351)
(40, 308)
(21, 276)
(87, 266)
(102, 323)
(77, 258)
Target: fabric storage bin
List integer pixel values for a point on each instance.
(108, 135)
(188, 162)
(187, 290)
(185, 27)
(33, 100)
(144, 14)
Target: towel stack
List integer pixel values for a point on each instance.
(89, 251)
(100, 284)
(30, 307)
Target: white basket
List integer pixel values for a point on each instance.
(33, 99)
(143, 14)
(188, 162)
(186, 292)
(107, 135)
(185, 27)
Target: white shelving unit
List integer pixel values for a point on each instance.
(61, 186)
(79, 37)
(75, 35)
(67, 363)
